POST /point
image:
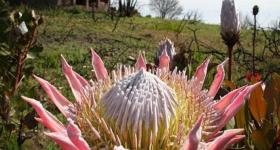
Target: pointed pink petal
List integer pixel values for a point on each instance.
(140, 63)
(219, 77)
(164, 60)
(234, 140)
(227, 99)
(75, 135)
(74, 83)
(82, 80)
(222, 141)
(234, 107)
(98, 65)
(46, 118)
(63, 141)
(58, 99)
(194, 136)
(201, 71)
(210, 135)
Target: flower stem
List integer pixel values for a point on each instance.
(230, 49)
(254, 44)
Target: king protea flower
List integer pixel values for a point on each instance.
(135, 108)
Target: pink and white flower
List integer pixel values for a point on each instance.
(135, 108)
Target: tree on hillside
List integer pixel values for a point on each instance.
(166, 8)
(127, 7)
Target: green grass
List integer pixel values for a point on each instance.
(72, 35)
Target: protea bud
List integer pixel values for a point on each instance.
(230, 29)
(255, 10)
(168, 46)
(230, 25)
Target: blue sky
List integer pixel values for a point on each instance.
(210, 9)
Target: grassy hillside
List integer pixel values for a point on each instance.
(71, 33)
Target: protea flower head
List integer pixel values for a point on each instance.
(166, 48)
(135, 108)
(230, 23)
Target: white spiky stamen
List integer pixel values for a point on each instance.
(140, 99)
